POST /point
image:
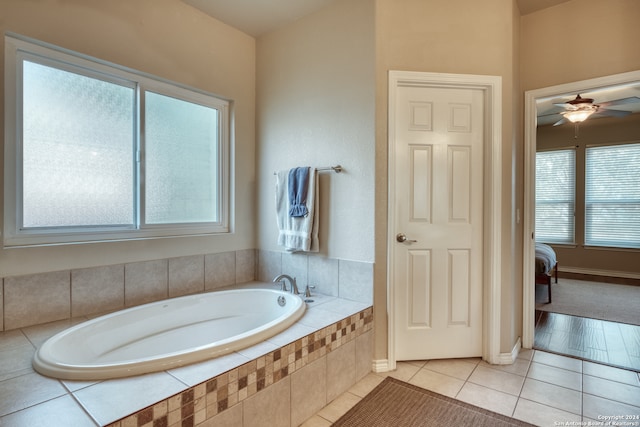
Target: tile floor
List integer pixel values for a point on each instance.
(541, 388)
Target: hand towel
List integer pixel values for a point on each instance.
(298, 186)
(297, 233)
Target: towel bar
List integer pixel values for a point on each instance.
(336, 169)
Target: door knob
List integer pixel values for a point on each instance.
(402, 238)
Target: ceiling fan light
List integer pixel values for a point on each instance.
(578, 116)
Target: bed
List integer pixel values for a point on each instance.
(546, 266)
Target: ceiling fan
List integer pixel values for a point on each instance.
(579, 109)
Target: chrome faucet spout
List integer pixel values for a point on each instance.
(294, 286)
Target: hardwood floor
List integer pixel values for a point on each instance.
(609, 343)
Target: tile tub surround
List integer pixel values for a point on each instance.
(94, 291)
(330, 348)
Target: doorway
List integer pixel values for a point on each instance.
(488, 88)
(532, 98)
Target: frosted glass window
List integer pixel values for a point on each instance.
(95, 151)
(181, 157)
(612, 196)
(555, 196)
(77, 150)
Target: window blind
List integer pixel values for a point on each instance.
(555, 196)
(612, 196)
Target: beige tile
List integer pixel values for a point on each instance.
(323, 273)
(364, 354)
(316, 421)
(434, 381)
(269, 265)
(341, 368)
(297, 265)
(292, 334)
(552, 395)
(518, 367)
(493, 400)
(245, 265)
(257, 350)
(457, 368)
(366, 384)
(59, 412)
(13, 338)
(111, 400)
(354, 280)
(268, 408)
(403, 372)
(27, 390)
(186, 275)
(541, 415)
(611, 373)
(16, 361)
(308, 391)
(97, 290)
(498, 380)
(418, 363)
(146, 282)
(38, 334)
(612, 390)
(219, 270)
(231, 417)
(564, 362)
(49, 292)
(1, 304)
(197, 373)
(526, 353)
(557, 376)
(594, 407)
(339, 406)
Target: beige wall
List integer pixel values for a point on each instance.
(437, 37)
(591, 132)
(169, 39)
(315, 106)
(579, 40)
(549, 57)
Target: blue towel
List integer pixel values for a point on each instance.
(298, 185)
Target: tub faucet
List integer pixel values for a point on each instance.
(294, 287)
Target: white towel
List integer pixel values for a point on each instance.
(297, 233)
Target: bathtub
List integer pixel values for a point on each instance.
(167, 334)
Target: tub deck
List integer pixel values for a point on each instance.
(326, 325)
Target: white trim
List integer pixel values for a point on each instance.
(605, 273)
(492, 87)
(380, 365)
(530, 123)
(509, 358)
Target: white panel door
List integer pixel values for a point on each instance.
(437, 268)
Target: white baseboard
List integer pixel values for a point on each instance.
(509, 358)
(380, 365)
(593, 272)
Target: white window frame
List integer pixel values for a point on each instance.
(569, 240)
(16, 49)
(631, 227)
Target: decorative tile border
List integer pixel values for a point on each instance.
(205, 400)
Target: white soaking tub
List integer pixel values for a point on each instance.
(167, 334)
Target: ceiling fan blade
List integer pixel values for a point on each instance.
(550, 114)
(561, 121)
(622, 101)
(604, 112)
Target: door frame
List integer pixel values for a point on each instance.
(492, 209)
(530, 124)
